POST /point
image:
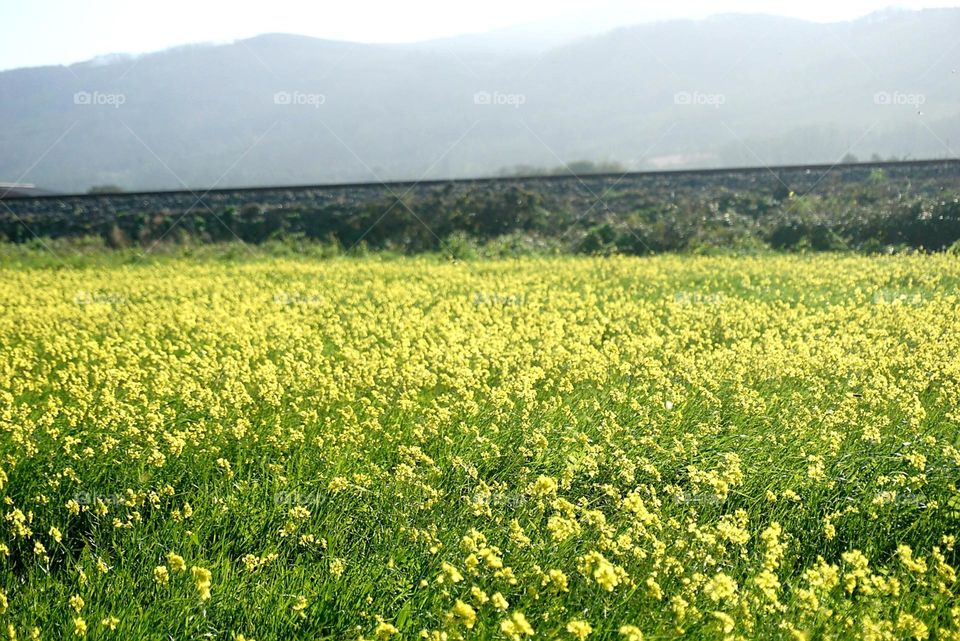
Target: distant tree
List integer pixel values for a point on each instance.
(849, 158)
(587, 167)
(574, 168)
(522, 170)
(105, 189)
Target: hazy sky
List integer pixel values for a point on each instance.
(38, 32)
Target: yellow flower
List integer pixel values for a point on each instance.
(579, 629)
(79, 627)
(76, 602)
(606, 574)
(176, 562)
(337, 568)
(225, 467)
(631, 632)
(161, 575)
(466, 614)
(857, 573)
(478, 595)
(768, 584)
(544, 486)
(556, 578)
(203, 579)
(562, 528)
(338, 484)
(384, 630)
(721, 588)
(110, 623)
(916, 565)
(516, 627)
(450, 572)
(654, 591)
(726, 621)
(912, 627)
(300, 605)
(397, 389)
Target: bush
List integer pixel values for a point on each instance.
(460, 246)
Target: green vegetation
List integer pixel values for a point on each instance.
(873, 214)
(573, 448)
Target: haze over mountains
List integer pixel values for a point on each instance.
(284, 109)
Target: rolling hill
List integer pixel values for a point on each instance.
(284, 109)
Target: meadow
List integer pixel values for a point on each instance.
(673, 447)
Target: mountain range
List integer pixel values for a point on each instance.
(281, 109)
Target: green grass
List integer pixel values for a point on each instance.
(678, 403)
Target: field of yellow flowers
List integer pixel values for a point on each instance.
(545, 448)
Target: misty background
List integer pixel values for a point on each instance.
(728, 90)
